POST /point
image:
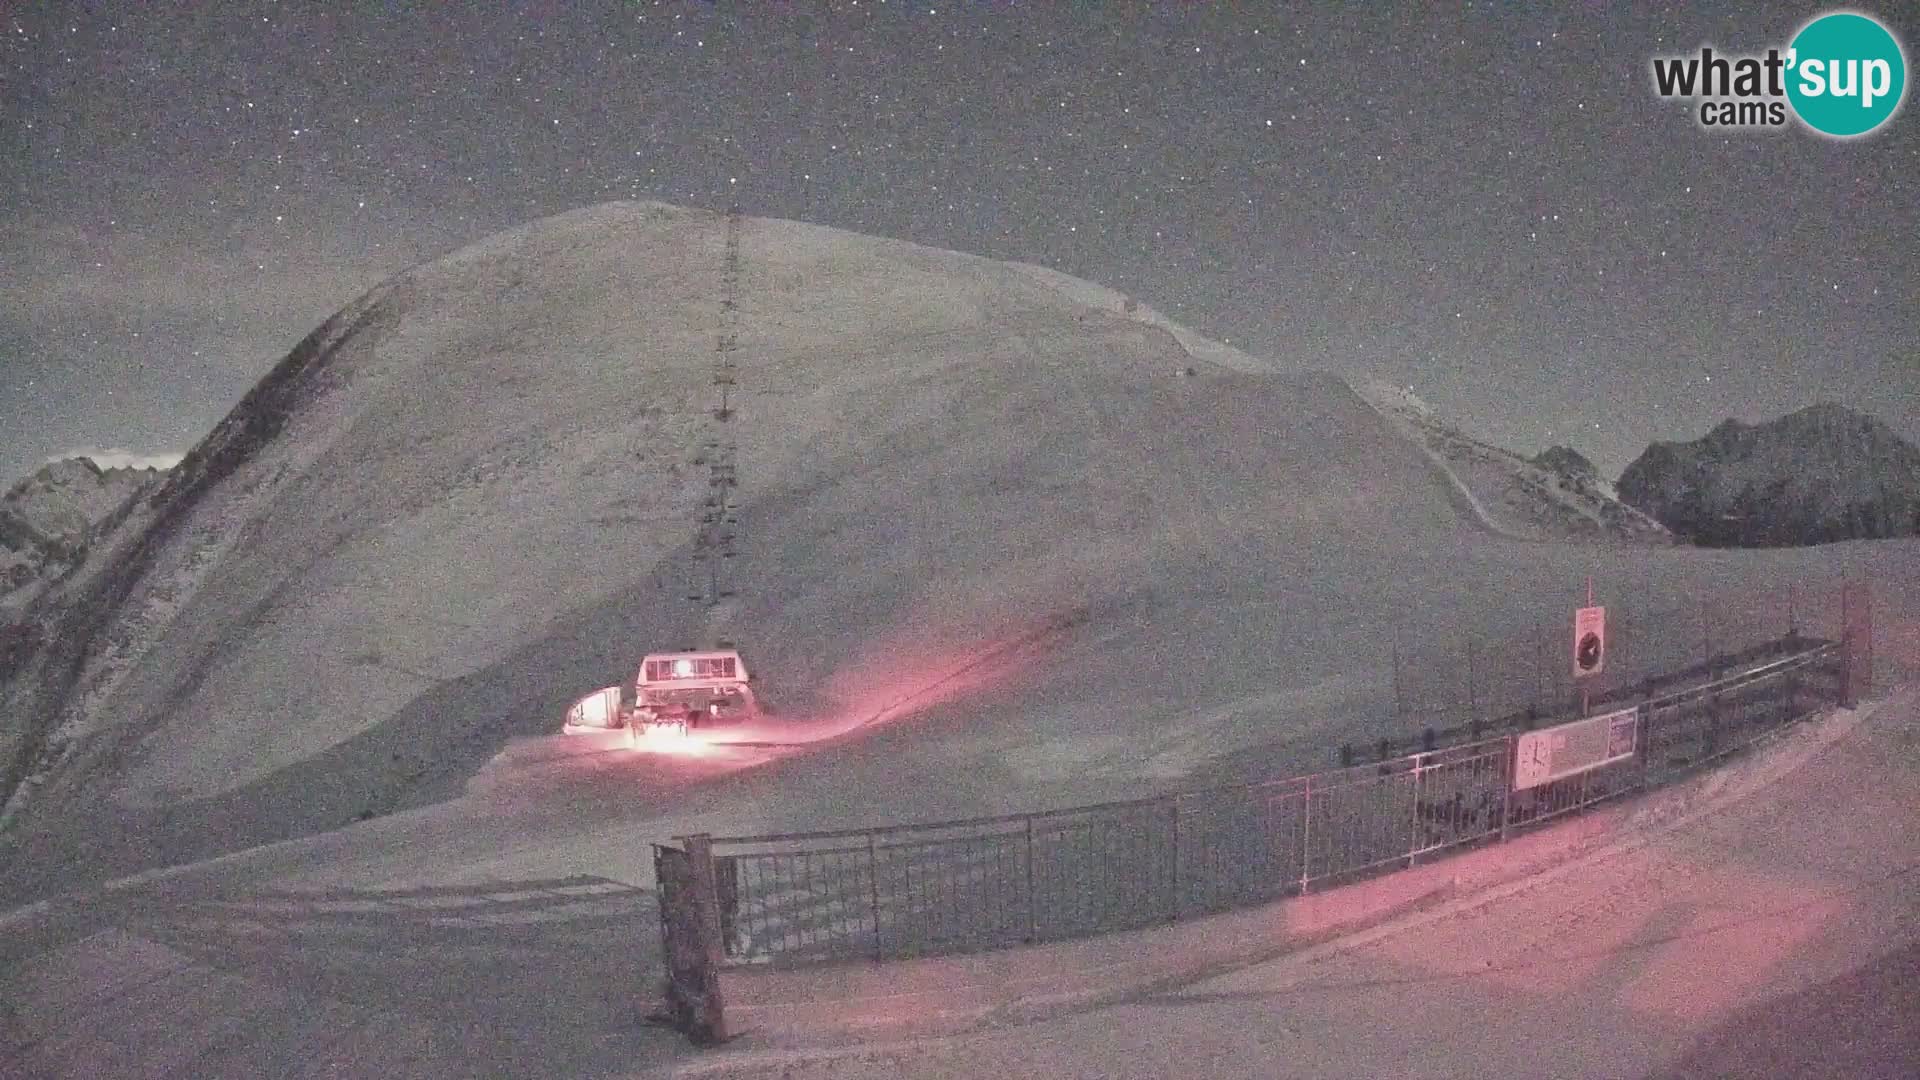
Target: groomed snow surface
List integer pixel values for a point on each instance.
(1743, 924)
(1014, 543)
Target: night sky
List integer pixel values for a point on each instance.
(1491, 206)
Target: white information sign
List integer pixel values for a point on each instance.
(1574, 747)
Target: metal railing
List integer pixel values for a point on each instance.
(989, 882)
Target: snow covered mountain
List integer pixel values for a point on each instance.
(478, 491)
(1821, 474)
(1555, 495)
(1029, 542)
(48, 520)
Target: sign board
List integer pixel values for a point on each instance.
(1589, 641)
(1541, 757)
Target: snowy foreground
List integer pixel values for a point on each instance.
(1744, 923)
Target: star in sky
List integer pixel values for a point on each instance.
(1489, 204)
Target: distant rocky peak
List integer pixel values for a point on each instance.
(1820, 474)
(73, 470)
(1566, 461)
(48, 519)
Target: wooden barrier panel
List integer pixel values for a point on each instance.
(690, 934)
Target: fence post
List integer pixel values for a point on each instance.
(1032, 900)
(873, 891)
(1306, 835)
(704, 1015)
(1413, 840)
(1506, 789)
(1713, 720)
(1793, 692)
(1173, 906)
(1645, 720)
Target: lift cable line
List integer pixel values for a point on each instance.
(711, 570)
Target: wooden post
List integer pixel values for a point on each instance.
(707, 1024)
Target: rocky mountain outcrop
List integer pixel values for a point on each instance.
(1566, 461)
(48, 519)
(1819, 475)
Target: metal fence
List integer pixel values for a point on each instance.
(989, 882)
(1657, 626)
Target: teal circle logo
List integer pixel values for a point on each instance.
(1846, 75)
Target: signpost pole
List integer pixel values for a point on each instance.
(1586, 695)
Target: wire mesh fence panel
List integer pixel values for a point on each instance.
(1747, 710)
(1459, 794)
(1446, 680)
(810, 904)
(1694, 725)
(1359, 819)
(1667, 737)
(982, 883)
(951, 893)
(1238, 846)
(1103, 868)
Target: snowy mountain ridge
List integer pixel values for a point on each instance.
(1547, 497)
(1100, 298)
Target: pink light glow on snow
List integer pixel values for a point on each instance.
(672, 741)
(898, 677)
(1685, 961)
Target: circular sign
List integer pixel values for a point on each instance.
(1587, 655)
